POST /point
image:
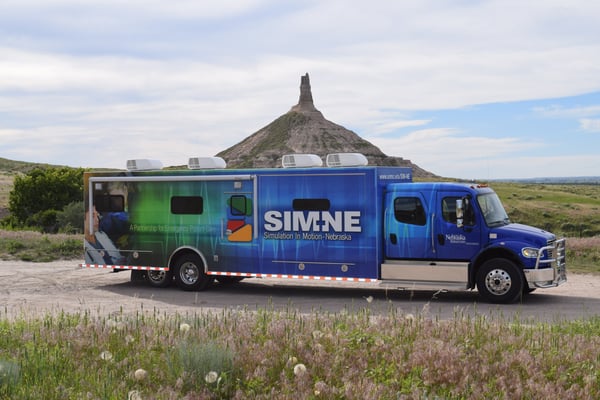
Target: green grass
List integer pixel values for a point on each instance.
(270, 354)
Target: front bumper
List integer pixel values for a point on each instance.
(550, 271)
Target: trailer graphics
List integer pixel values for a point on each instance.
(347, 223)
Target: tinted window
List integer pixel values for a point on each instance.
(311, 204)
(109, 203)
(186, 205)
(409, 210)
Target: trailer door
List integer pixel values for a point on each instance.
(236, 242)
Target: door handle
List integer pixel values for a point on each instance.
(393, 238)
(441, 239)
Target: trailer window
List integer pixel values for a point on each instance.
(311, 204)
(240, 205)
(109, 203)
(187, 205)
(409, 210)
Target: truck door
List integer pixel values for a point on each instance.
(453, 243)
(407, 226)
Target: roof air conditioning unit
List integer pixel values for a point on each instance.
(346, 160)
(143, 164)
(301, 161)
(206, 163)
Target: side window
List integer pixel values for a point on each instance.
(449, 209)
(109, 203)
(187, 205)
(409, 210)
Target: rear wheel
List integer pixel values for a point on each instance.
(189, 273)
(500, 281)
(159, 278)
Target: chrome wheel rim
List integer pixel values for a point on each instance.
(498, 282)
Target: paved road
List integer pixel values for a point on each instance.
(37, 288)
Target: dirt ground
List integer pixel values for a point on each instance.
(36, 289)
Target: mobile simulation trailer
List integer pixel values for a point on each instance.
(343, 223)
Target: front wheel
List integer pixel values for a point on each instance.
(500, 281)
(189, 273)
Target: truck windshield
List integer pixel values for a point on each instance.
(492, 209)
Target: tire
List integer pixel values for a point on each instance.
(159, 279)
(189, 273)
(500, 281)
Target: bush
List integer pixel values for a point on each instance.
(70, 219)
(38, 196)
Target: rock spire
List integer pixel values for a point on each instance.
(304, 129)
(305, 102)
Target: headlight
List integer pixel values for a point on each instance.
(529, 252)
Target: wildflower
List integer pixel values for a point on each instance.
(211, 377)
(299, 369)
(106, 355)
(184, 327)
(140, 374)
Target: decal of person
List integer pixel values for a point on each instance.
(99, 248)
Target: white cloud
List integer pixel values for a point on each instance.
(590, 125)
(558, 111)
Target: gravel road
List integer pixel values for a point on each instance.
(36, 289)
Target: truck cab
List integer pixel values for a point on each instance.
(458, 236)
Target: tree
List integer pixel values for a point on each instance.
(38, 196)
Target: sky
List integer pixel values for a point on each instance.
(467, 89)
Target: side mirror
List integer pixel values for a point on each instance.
(459, 213)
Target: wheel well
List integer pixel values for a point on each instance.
(185, 251)
(488, 255)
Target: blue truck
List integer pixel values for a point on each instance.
(343, 222)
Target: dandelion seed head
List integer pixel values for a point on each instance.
(106, 355)
(317, 335)
(184, 327)
(292, 360)
(369, 299)
(211, 377)
(140, 374)
(409, 317)
(299, 369)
